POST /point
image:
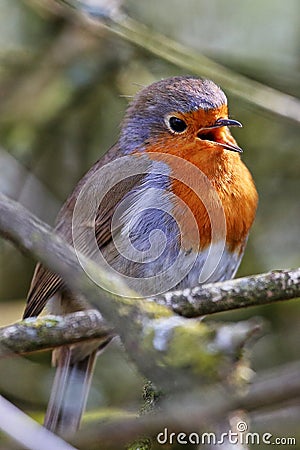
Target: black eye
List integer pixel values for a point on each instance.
(177, 125)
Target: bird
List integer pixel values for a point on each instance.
(196, 195)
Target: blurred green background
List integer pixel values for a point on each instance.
(63, 93)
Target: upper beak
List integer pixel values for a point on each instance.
(219, 123)
(226, 123)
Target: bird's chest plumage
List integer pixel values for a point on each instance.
(175, 231)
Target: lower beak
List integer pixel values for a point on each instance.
(233, 148)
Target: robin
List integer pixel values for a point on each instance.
(176, 209)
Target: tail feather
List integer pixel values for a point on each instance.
(69, 392)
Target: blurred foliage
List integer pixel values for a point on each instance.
(63, 93)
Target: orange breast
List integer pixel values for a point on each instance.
(212, 171)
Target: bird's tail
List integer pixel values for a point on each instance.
(69, 392)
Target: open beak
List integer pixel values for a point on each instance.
(219, 123)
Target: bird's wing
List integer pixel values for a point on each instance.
(46, 283)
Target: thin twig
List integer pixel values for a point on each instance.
(26, 431)
(139, 34)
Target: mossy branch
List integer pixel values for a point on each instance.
(256, 290)
(47, 332)
(141, 323)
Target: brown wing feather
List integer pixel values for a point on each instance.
(46, 283)
(43, 286)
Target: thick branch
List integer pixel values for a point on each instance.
(159, 355)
